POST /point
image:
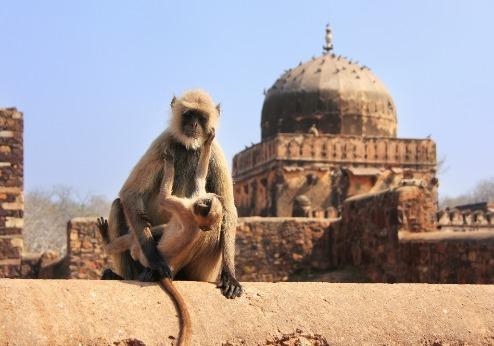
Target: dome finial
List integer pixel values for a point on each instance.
(328, 47)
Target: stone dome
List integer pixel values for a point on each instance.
(332, 94)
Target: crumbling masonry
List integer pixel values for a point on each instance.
(11, 192)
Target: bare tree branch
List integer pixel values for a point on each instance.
(47, 212)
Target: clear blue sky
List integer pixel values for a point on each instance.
(95, 78)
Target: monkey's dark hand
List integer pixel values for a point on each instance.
(229, 286)
(155, 261)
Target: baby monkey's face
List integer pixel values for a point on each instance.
(208, 212)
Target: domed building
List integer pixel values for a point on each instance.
(328, 130)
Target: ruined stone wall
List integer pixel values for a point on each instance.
(11, 191)
(268, 249)
(448, 257)
(86, 258)
(323, 171)
(367, 235)
(274, 249)
(323, 187)
(272, 193)
(380, 234)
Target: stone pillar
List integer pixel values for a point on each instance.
(86, 258)
(11, 191)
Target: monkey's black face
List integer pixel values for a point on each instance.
(202, 207)
(208, 212)
(194, 123)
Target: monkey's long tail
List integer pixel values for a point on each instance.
(185, 325)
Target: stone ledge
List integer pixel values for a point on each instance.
(72, 312)
(441, 236)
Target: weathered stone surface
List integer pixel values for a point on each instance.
(11, 187)
(374, 240)
(274, 249)
(448, 257)
(351, 150)
(325, 169)
(466, 218)
(85, 258)
(78, 312)
(378, 233)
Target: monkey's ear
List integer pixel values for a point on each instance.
(218, 108)
(174, 99)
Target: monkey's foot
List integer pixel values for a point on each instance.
(155, 261)
(109, 274)
(149, 275)
(102, 224)
(229, 286)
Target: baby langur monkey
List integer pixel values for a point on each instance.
(190, 216)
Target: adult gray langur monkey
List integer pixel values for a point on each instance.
(194, 115)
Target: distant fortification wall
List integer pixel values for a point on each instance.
(11, 191)
(378, 234)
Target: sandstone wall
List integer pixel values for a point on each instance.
(378, 233)
(80, 312)
(324, 170)
(11, 191)
(269, 249)
(272, 193)
(86, 258)
(448, 257)
(368, 232)
(274, 249)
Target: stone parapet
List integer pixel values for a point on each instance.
(419, 154)
(79, 312)
(474, 217)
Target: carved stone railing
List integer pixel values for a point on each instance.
(458, 219)
(369, 151)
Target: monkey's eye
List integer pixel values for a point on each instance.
(202, 118)
(188, 113)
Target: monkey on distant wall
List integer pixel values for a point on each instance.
(194, 115)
